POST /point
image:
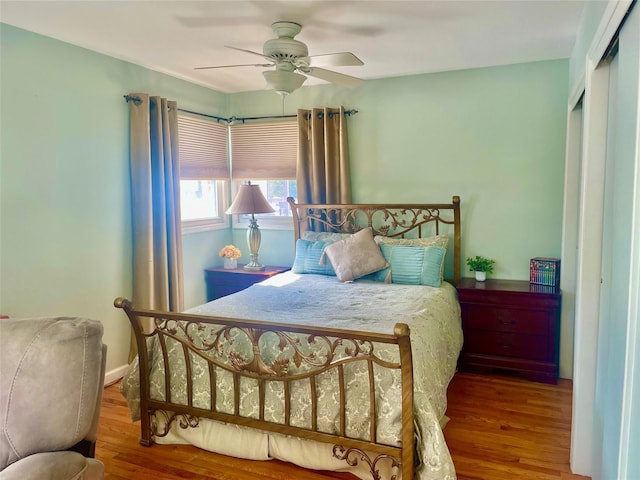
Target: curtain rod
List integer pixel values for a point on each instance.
(232, 120)
(347, 113)
(217, 119)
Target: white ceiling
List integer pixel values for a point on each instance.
(392, 37)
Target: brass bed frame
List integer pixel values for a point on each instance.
(320, 349)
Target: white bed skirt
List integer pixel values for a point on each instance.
(242, 442)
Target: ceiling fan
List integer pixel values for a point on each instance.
(293, 62)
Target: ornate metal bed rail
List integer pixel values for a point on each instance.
(391, 220)
(243, 350)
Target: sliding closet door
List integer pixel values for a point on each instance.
(617, 327)
(605, 436)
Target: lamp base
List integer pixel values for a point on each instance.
(253, 240)
(254, 266)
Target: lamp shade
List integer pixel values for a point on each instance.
(249, 200)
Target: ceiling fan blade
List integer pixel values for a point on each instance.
(250, 51)
(342, 59)
(231, 66)
(334, 77)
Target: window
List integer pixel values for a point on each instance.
(266, 155)
(276, 193)
(198, 199)
(204, 172)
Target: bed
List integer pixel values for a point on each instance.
(327, 374)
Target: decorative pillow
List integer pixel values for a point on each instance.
(308, 256)
(324, 236)
(436, 241)
(412, 265)
(355, 256)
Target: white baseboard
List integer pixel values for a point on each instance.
(112, 376)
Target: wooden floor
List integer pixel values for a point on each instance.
(500, 428)
(507, 428)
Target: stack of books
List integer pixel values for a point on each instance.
(544, 271)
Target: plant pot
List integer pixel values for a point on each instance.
(230, 263)
(481, 276)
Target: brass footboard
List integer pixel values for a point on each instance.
(173, 346)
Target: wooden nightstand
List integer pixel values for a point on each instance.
(221, 282)
(510, 325)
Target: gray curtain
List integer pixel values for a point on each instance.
(155, 205)
(323, 157)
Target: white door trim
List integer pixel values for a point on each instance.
(588, 267)
(571, 216)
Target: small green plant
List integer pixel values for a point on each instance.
(480, 264)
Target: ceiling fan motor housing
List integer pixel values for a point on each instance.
(285, 48)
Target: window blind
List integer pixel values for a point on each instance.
(203, 149)
(264, 151)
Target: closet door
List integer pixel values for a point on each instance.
(605, 434)
(617, 355)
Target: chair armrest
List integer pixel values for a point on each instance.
(58, 465)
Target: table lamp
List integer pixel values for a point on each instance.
(250, 200)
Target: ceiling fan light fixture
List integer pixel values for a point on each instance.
(283, 82)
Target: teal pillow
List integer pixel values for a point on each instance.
(412, 265)
(308, 256)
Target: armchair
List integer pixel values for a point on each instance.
(51, 382)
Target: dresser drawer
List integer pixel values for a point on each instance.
(489, 317)
(235, 283)
(531, 347)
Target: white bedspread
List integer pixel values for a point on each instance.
(433, 315)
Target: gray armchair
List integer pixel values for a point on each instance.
(51, 383)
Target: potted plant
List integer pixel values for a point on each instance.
(481, 266)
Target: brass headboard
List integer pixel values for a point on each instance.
(391, 220)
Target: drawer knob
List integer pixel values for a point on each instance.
(508, 321)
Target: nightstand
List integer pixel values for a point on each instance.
(510, 325)
(221, 282)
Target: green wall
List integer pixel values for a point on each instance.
(494, 136)
(65, 238)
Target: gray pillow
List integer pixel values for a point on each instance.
(355, 256)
